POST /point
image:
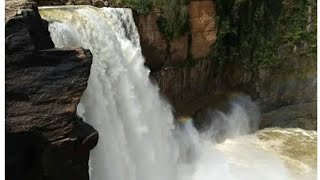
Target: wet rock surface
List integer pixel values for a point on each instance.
(289, 100)
(45, 139)
(184, 86)
(303, 115)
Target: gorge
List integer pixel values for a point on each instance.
(139, 135)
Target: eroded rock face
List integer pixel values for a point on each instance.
(180, 65)
(184, 84)
(203, 31)
(153, 43)
(160, 52)
(178, 49)
(45, 139)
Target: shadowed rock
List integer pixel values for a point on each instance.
(45, 139)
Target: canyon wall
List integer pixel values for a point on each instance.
(269, 52)
(193, 78)
(45, 139)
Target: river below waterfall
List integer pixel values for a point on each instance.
(272, 153)
(137, 136)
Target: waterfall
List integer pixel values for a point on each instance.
(137, 138)
(134, 124)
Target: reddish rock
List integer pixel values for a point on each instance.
(153, 43)
(181, 79)
(178, 50)
(160, 52)
(203, 30)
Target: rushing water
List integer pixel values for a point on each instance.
(134, 125)
(138, 140)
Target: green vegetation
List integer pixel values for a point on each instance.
(173, 20)
(266, 34)
(253, 34)
(140, 6)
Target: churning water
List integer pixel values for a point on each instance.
(138, 140)
(272, 153)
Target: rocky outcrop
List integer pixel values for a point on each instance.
(160, 52)
(283, 89)
(184, 84)
(289, 100)
(45, 139)
(153, 43)
(302, 115)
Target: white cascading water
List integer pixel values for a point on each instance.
(134, 124)
(137, 138)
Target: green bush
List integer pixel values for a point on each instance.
(174, 18)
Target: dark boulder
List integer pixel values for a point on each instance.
(45, 139)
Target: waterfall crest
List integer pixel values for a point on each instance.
(134, 124)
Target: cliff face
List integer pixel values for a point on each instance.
(161, 52)
(180, 65)
(45, 139)
(289, 99)
(203, 28)
(218, 56)
(269, 50)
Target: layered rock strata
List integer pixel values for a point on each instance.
(45, 139)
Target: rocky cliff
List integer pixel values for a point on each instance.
(235, 46)
(45, 139)
(180, 65)
(268, 49)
